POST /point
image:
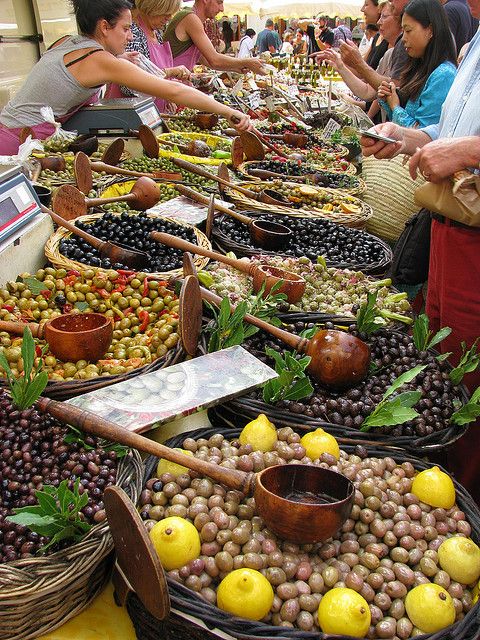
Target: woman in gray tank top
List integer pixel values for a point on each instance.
(72, 71)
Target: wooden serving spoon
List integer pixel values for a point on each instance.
(264, 233)
(290, 519)
(267, 196)
(196, 148)
(338, 359)
(263, 274)
(253, 140)
(70, 203)
(299, 140)
(117, 252)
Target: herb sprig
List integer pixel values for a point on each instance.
(423, 338)
(75, 436)
(468, 362)
(292, 382)
(469, 412)
(26, 389)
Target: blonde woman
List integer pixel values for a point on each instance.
(149, 19)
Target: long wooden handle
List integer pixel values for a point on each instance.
(195, 168)
(285, 336)
(18, 328)
(268, 144)
(102, 428)
(111, 170)
(97, 202)
(94, 242)
(200, 198)
(183, 245)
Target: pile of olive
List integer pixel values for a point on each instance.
(386, 547)
(218, 143)
(321, 159)
(185, 122)
(132, 230)
(33, 452)
(319, 119)
(143, 311)
(392, 355)
(145, 164)
(327, 179)
(313, 237)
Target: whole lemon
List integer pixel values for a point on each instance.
(259, 433)
(430, 607)
(345, 612)
(318, 442)
(246, 593)
(165, 466)
(176, 542)
(460, 558)
(434, 487)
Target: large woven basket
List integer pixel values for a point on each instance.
(40, 594)
(356, 220)
(212, 141)
(390, 193)
(193, 618)
(52, 247)
(225, 244)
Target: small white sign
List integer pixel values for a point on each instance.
(293, 90)
(270, 103)
(330, 129)
(255, 99)
(237, 87)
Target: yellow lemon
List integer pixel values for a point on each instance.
(430, 607)
(246, 593)
(318, 442)
(165, 466)
(434, 487)
(259, 433)
(176, 542)
(345, 612)
(460, 558)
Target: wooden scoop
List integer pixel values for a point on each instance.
(114, 151)
(264, 233)
(70, 203)
(338, 359)
(252, 141)
(293, 286)
(299, 140)
(53, 163)
(196, 148)
(267, 196)
(118, 253)
(278, 490)
(70, 337)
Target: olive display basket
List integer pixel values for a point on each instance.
(193, 618)
(41, 593)
(225, 244)
(211, 140)
(357, 189)
(357, 219)
(52, 247)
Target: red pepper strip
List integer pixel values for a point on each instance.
(126, 272)
(67, 308)
(120, 288)
(68, 280)
(38, 351)
(8, 307)
(73, 272)
(145, 319)
(127, 311)
(104, 293)
(46, 293)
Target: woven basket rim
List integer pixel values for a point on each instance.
(52, 247)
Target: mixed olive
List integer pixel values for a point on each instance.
(327, 179)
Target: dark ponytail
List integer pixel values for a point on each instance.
(89, 12)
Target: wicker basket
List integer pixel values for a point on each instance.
(356, 220)
(52, 247)
(357, 190)
(390, 193)
(225, 244)
(194, 619)
(211, 140)
(40, 594)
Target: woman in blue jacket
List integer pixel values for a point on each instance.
(429, 74)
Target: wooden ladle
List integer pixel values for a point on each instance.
(118, 252)
(196, 148)
(327, 495)
(338, 359)
(70, 203)
(264, 233)
(253, 142)
(267, 196)
(72, 336)
(293, 286)
(299, 140)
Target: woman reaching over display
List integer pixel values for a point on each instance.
(430, 71)
(149, 17)
(70, 74)
(189, 42)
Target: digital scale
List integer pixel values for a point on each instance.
(115, 117)
(18, 202)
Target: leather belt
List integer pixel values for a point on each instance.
(452, 223)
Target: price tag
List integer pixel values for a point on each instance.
(330, 129)
(255, 99)
(270, 103)
(252, 84)
(237, 87)
(293, 90)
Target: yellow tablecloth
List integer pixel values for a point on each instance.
(102, 620)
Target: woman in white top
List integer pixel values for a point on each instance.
(246, 45)
(287, 45)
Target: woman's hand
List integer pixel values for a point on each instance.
(384, 90)
(255, 65)
(393, 100)
(179, 73)
(131, 56)
(239, 120)
(333, 58)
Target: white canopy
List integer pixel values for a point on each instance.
(305, 9)
(241, 7)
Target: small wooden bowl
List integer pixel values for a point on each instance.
(86, 143)
(206, 120)
(44, 194)
(303, 522)
(79, 336)
(293, 287)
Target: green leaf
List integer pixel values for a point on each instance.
(224, 312)
(439, 336)
(32, 520)
(408, 376)
(468, 362)
(301, 389)
(4, 364)
(421, 332)
(35, 389)
(81, 305)
(443, 356)
(468, 413)
(47, 502)
(475, 396)
(367, 321)
(28, 352)
(35, 286)
(389, 415)
(407, 398)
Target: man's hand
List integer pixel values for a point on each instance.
(239, 120)
(443, 157)
(384, 150)
(351, 55)
(255, 65)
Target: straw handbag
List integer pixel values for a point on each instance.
(390, 192)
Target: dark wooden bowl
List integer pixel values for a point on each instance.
(86, 143)
(44, 194)
(293, 285)
(303, 522)
(206, 120)
(79, 336)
